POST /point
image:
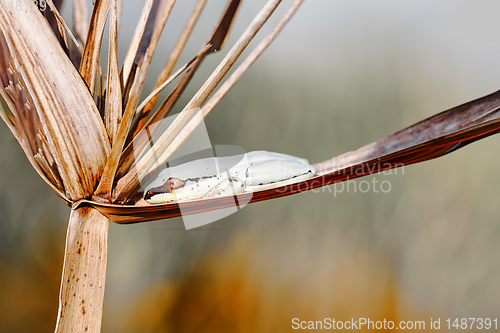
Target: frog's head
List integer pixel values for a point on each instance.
(170, 185)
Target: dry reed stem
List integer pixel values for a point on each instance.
(228, 84)
(136, 40)
(154, 94)
(113, 106)
(167, 69)
(146, 164)
(71, 144)
(147, 47)
(143, 60)
(84, 272)
(61, 131)
(63, 27)
(90, 58)
(61, 102)
(80, 22)
(119, 7)
(140, 143)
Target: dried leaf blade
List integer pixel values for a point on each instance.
(68, 116)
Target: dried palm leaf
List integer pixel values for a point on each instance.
(113, 105)
(59, 127)
(216, 42)
(90, 57)
(431, 138)
(56, 100)
(167, 69)
(140, 144)
(146, 165)
(149, 41)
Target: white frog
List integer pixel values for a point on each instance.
(219, 176)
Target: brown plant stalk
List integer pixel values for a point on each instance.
(73, 127)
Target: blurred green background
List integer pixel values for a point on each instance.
(341, 75)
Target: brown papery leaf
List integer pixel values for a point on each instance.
(113, 104)
(23, 122)
(167, 69)
(215, 43)
(80, 21)
(140, 143)
(68, 117)
(133, 48)
(448, 130)
(20, 119)
(113, 107)
(431, 138)
(62, 26)
(90, 58)
(146, 164)
(229, 83)
(153, 31)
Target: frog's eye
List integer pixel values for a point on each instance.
(170, 185)
(173, 183)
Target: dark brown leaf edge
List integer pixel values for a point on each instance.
(431, 138)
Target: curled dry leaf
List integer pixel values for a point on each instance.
(428, 139)
(59, 106)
